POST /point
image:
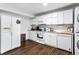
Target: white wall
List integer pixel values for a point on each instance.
(25, 26)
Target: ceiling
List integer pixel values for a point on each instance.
(32, 8)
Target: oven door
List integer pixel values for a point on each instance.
(40, 36)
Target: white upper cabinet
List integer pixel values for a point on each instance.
(40, 19)
(51, 18)
(60, 18)
(68, 16)
(52, 14)
(63, 17)
(34, 21)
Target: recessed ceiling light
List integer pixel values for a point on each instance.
(45, 4)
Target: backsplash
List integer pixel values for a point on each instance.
(60, 28)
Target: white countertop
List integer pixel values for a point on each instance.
(67, 33)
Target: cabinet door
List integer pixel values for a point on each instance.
(52, 14)
(29, 34)
(50, 39)
(15, 33)
(54, 20)
(60, 18)
(41, 20)
(64, 42)
(5, 33)
(68, 17)
(51, 20)
(33, 35)
(33, 21)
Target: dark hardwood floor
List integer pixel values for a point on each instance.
(33, 48)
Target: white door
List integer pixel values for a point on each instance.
(51, 20)
(60, 18)
(68, 17)
(50, 39)
(5, 33)
(15, 33)
(64, 42)
(33, 35)
(54, 20)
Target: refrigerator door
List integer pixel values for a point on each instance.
(15, 33)
(5, 33)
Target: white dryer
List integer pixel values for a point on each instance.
(76, 30)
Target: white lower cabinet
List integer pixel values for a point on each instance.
(33, 35)
(50, 39)
(64, 42)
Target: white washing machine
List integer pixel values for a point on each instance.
(77, 43)
(76, 30)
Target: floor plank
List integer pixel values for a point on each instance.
(33, 48)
